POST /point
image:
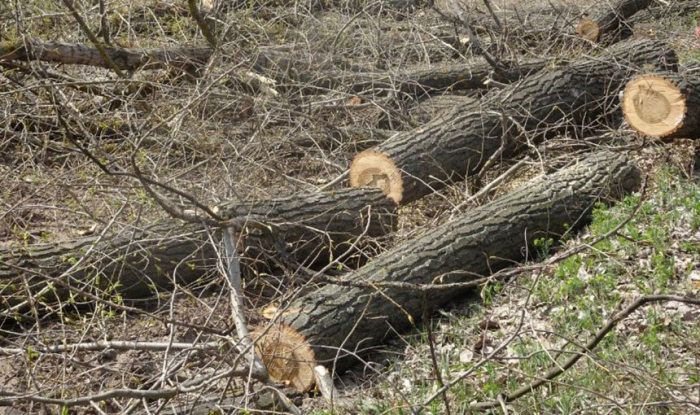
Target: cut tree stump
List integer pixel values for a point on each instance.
(309, 227)
(381, 299)
(608, 22)
(663, 105)
(415, 163)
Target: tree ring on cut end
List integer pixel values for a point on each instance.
(653, 105)
(374, 169)
(588, 29)
(287, 356)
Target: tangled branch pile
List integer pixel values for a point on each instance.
(136, 133)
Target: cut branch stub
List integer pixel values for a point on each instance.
(374, 169)
(663, 105)
(287, 356)
(588, 29)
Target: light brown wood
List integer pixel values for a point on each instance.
(287, 356)
(376, 170)
(588, 29)
(664, 104)
(653, 106)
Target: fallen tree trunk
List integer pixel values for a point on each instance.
(427, 109)
(125, 59)
(663, 105)
(308, 228)
(383, 298)
(418, 82)
(608, 22)
(415, 163)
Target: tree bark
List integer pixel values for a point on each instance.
(415, 163)
(453, 77)
(608, 22)
(673, 9)
(308, 228)
(664, 105)
(126, 59)
(427, 109)
(340, 321)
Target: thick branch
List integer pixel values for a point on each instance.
(124, 59)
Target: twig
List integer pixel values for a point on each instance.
(338, 179)
(233, 270)
(494, 183)
(104, 23)
(96, 42)
(559, 369)
(258, 369)
(324, 382)
(471, 370)
(493, 14)
(496, 65)
(202, 23)
(433, 357)
(114, 345)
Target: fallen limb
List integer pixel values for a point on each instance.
(339, 321)
(124, 59)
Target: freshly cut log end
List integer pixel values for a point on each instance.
(287, 356)
(654, 106)
(588, 29)
(374, 169)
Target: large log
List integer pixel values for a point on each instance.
(309, 227)
(414, 163)
(610, 20)
(663, 105)
(341, 321)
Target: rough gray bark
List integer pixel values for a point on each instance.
(306, 227)
(355, 138)
(126, 59)
(460, 141)
(480, 242)
(610, 20)
(427, 109)
(453, 77)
